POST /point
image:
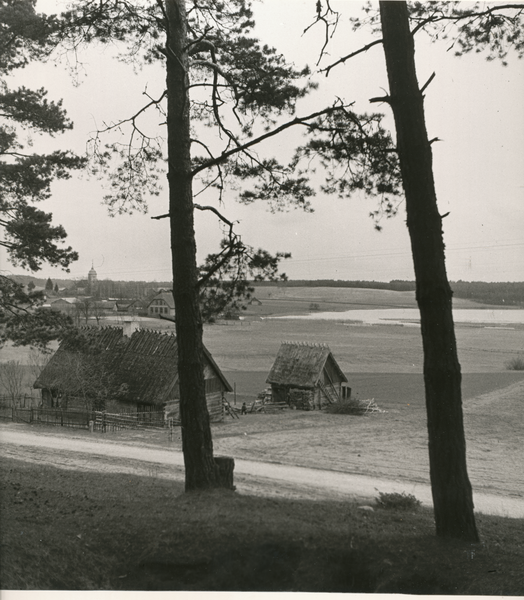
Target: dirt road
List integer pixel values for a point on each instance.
(251, 477)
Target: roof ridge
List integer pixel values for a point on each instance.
(155, 332)
(307, 344)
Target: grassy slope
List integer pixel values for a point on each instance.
(76, 530)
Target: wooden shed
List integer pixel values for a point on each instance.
(307, 376)
(137, 372)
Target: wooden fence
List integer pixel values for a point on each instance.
(83, 419)
(137, 420)
(78, 419)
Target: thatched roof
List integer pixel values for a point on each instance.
(147, 364)
(300, 365)
(99, 343)
(144, 367)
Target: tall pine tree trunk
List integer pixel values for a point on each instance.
(200, 468)
(451, 489)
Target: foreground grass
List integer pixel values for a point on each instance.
(76, 530)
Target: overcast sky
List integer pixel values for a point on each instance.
(473, 106)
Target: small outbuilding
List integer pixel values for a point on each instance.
(307, 376)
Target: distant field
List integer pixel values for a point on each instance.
(277, 300)
(250, 346)
(358, 349)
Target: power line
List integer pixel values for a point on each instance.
(398, 252)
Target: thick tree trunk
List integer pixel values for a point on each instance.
(197, 445)
(452, 494)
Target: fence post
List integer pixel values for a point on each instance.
(30, 414)
(61, 418)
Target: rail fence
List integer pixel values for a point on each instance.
(137, 420)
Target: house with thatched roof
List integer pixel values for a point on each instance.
(307, 376)
(109, 370)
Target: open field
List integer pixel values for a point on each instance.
(253, 345)
(391, 444)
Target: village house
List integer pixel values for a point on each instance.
(63, 305)
(121, 371)
(307, 376)
(162, 305)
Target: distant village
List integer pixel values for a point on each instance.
(92, 299)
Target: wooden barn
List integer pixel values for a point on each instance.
(307, 376)
(116, 372)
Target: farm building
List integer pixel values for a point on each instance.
(115, 372)
(307, 376)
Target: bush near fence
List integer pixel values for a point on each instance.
(23, 401)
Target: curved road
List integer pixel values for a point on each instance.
(250, 476)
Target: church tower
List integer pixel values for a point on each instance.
(91, 279)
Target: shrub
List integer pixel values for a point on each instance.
(515, 364)
(353, 406)
(395, 501)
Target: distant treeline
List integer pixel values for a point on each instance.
(506, 293)
(503, 293)
(499, 293)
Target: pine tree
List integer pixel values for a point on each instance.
(29, 236)
(478, 28)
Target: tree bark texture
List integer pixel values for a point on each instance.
(201, 471)
(451, 489)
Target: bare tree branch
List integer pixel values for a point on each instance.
(323, 17)
(296, 121)
(428, 82)
(355, 53)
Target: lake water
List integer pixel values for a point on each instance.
(411, 316)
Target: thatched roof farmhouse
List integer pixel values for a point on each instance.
(122, 372)
(307, 376)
